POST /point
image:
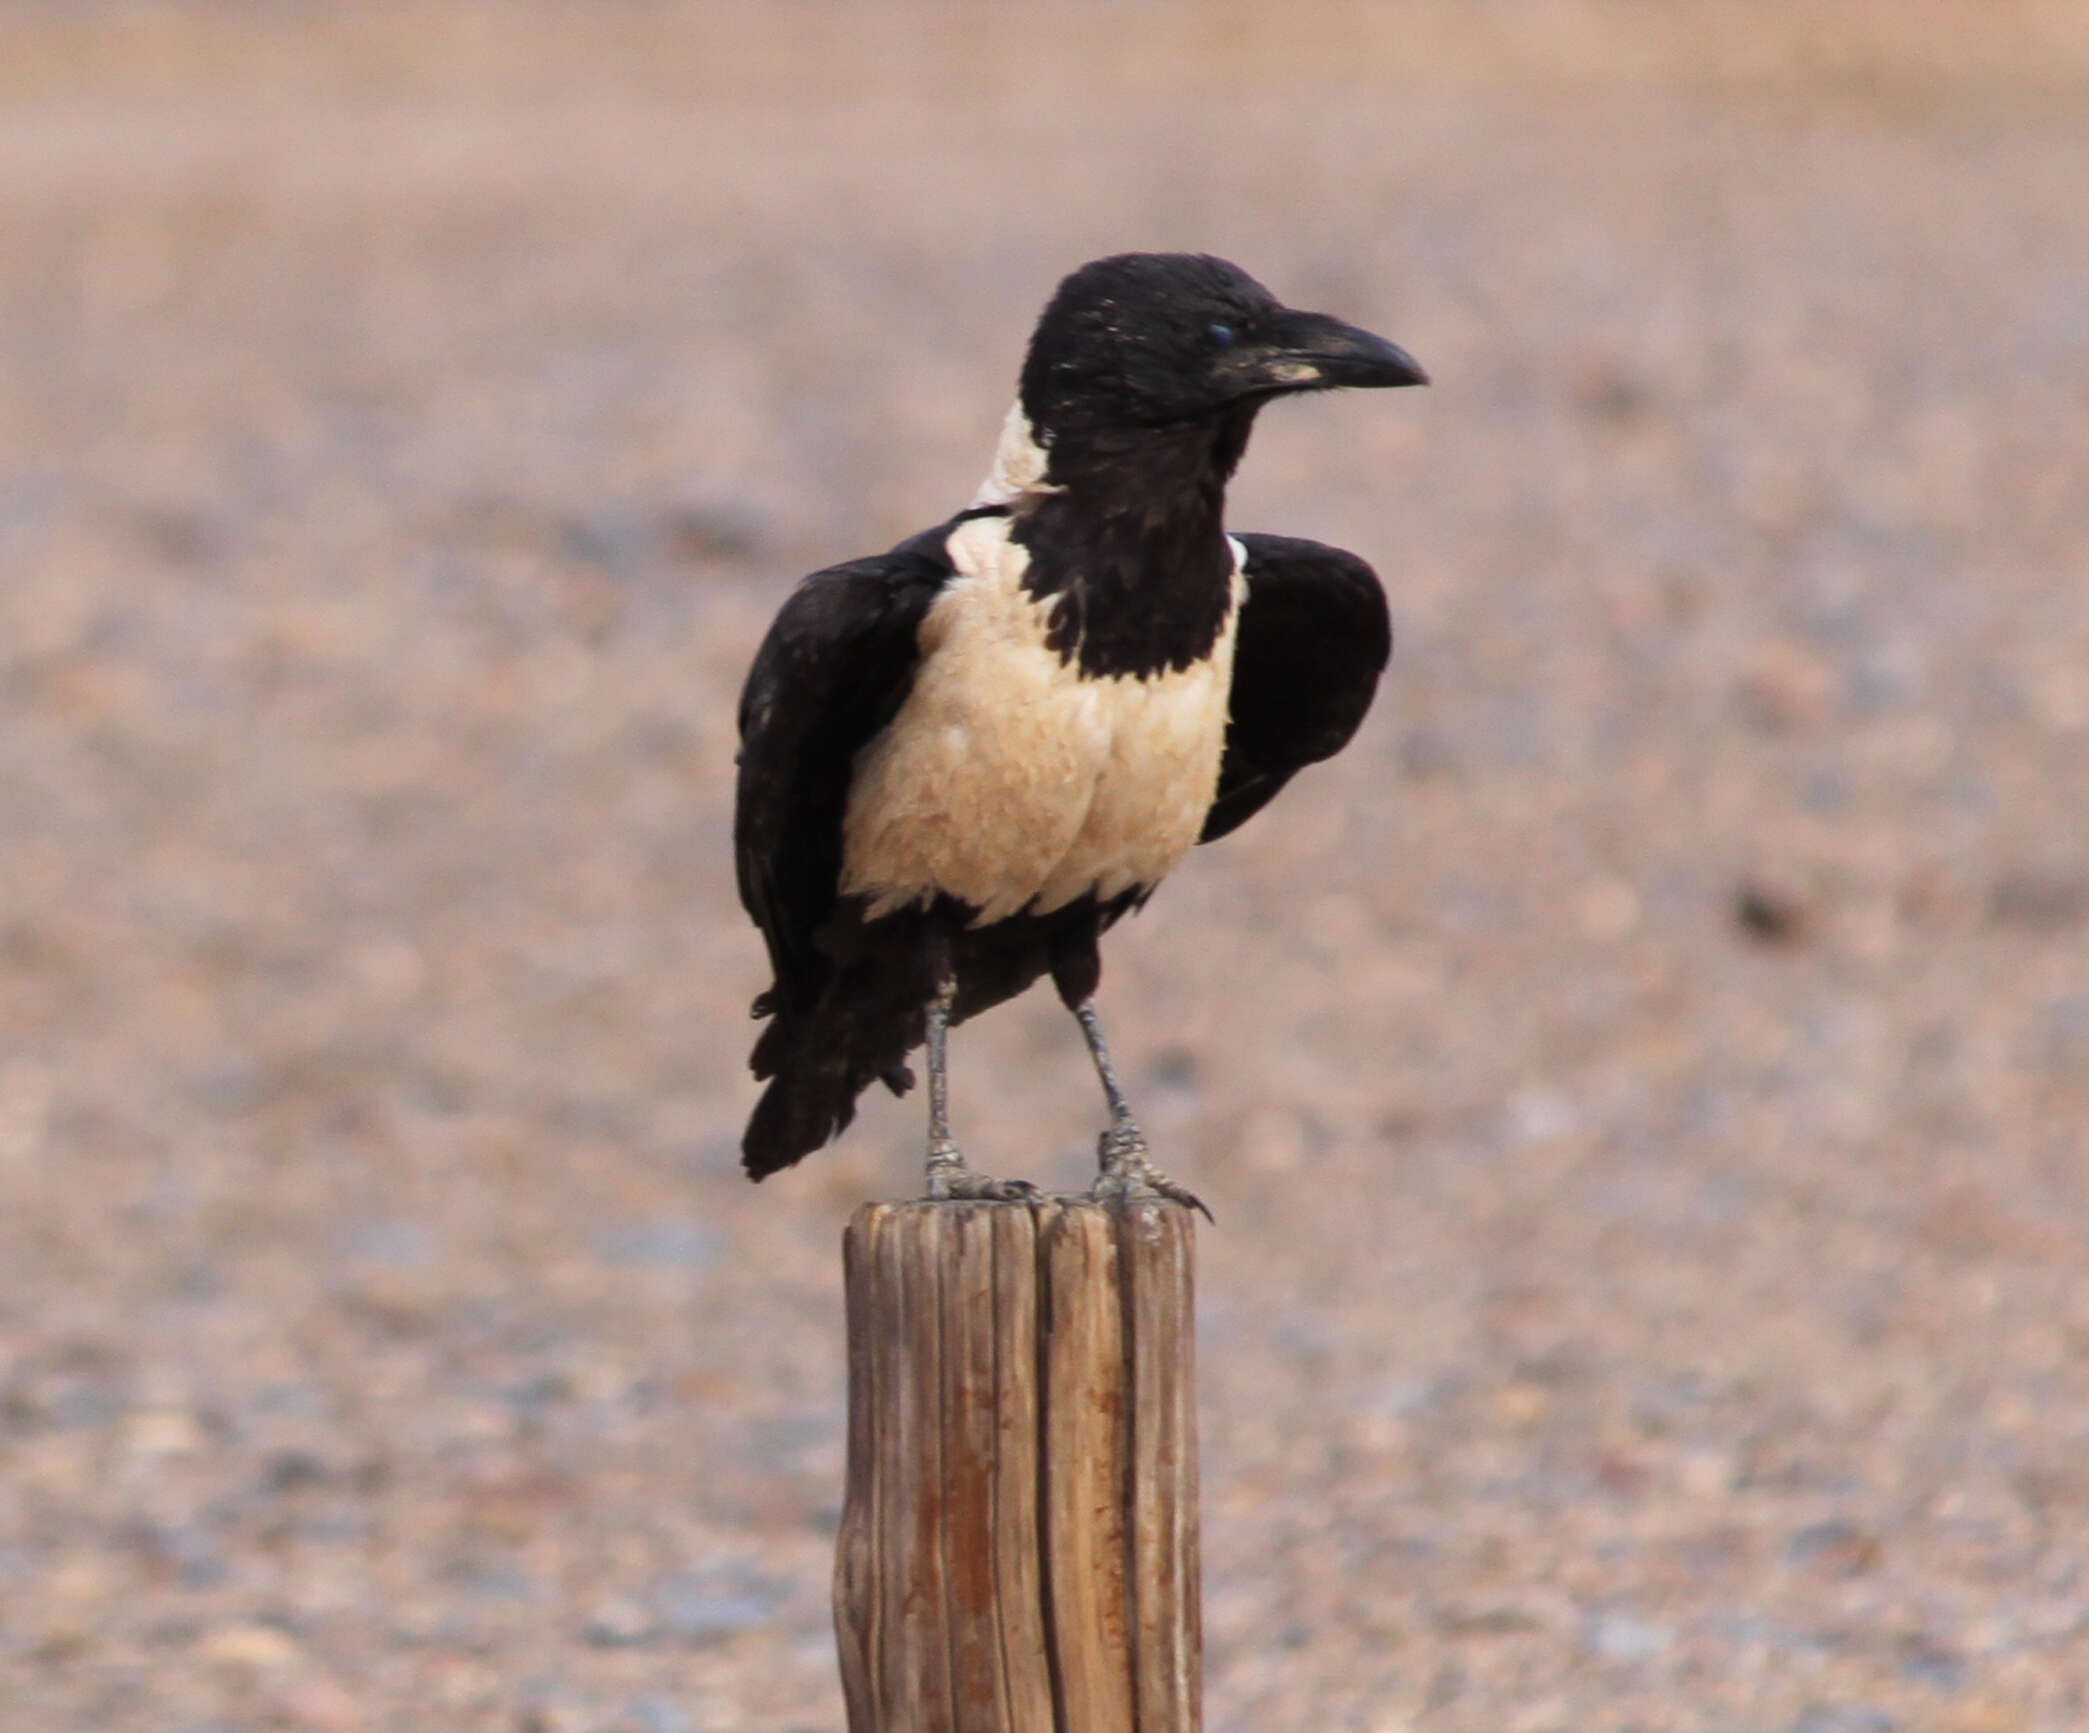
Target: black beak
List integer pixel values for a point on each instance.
(1311, 352)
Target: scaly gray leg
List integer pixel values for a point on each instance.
(1121, 1151)
(948, 1176)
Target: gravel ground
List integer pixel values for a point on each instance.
(1642, 1086)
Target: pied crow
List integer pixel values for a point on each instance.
(963, 760)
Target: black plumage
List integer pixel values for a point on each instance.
(963, 760)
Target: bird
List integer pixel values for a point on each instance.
(962, 761)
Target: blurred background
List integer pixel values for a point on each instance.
(1643, 1086)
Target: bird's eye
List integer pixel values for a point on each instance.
(1221, 336)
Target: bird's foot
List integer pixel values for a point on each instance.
(949, 1178)
(1128, 1173)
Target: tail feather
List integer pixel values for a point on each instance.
(831, 1037)
(815, 1074)
(795, 1116)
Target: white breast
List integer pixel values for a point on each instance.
(1011, 782)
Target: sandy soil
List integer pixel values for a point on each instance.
(1644, 1085)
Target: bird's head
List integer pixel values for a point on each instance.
(1154, 340)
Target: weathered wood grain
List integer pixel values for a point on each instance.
(855, 1551)
(1161, 1308)
(1084, 1489)
(1018, 1442)
(972, 1627)
(1018, 1549)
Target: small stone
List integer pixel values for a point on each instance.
(2039, 901)
(60, 1644)
(1705, 1472)
(1771, 912)
(667, 1244)
(388, 1244)
(655, 1715)
(1626, 1636)
(1607, 910)
(249, 1649)
(1522, 1405)
(293, 1470)
(1927, 1662)
(1539, 1114)
(1987, 1715)
(323, 1707)
(1842, 1718)
(698, 531)
(1788, 685)
(702, 1606)
(1835, 1547)
(163, 1432)
(1491, 1621)
(619, 1623)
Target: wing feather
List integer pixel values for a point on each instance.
(1314, 637)
(835, 666)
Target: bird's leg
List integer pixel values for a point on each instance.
(1121, 1151)
(948, 1176)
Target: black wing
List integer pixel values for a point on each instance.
(1314, 637)
(834, 668)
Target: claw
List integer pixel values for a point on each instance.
(949, 1178)
(1127, 1173)
(943, 1188)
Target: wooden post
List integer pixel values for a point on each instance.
(1018, 1549)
